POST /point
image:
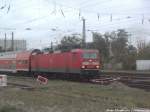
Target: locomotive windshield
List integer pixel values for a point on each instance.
(90, 55)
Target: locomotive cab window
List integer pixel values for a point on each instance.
(89, 55)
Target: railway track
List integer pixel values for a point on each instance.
(22, 86)
(131, 79)
(136, 80)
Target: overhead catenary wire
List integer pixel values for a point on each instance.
(2, 7)
(109, 24)
(93, 12)
(86, 11)
(8, 9)
(117, 23)
(99, 14)
(102, 26)
(104, 8)
(36, 19)
(5, 7)
(87, 4)
(66, 6)
(80, 9)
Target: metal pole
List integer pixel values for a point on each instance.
(51, 46)
(5, 42)
(83, 34)
(12, 41)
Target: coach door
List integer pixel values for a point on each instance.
(34, 63)
(13, 65)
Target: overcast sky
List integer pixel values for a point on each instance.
(50, 20)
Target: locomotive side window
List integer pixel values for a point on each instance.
(89, 55)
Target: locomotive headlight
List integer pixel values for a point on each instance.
(90, 60)
(97, 66)
(83, 66)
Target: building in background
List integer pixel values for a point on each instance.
(6, 45)
(143, 65)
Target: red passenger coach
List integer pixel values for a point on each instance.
(23, 61)
(8, 62)
(18, 61)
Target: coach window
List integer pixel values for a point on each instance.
(25, 62)
(19, 62)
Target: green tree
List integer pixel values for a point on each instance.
(70, 42)
(100, 43)
(144, 52)
(114, 48)
(119, 45)
(130, 59)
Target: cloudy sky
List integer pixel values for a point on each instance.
(42, 21)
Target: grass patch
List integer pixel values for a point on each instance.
(9, 108)
(65, 96)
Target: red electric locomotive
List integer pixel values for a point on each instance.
(77, 61)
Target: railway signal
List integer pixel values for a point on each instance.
(42, 80)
